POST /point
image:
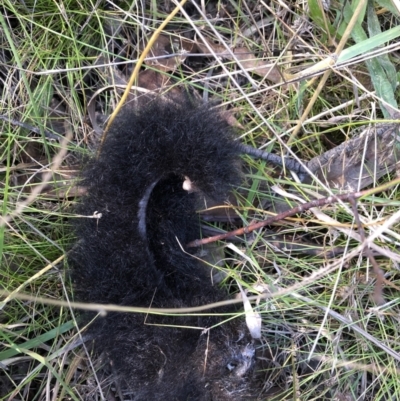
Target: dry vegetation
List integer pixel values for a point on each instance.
(313, 80)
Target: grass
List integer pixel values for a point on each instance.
(331, 326)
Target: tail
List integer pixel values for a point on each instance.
(133, 255)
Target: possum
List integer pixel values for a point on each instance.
(134, 254)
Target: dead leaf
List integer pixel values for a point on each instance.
(263, 68)
(253, 319)
(220, 50)
(166, 45)
(360, 161)
(247, 60)
(154, 81)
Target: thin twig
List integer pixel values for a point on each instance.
(29, 127)
(291, 212)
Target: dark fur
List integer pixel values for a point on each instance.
(115, 262)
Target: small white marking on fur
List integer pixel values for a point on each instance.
(189, 186)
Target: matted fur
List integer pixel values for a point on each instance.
(132, 255)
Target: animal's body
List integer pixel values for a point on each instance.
(133, 255)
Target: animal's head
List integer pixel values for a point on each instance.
(227, 363)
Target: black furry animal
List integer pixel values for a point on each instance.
(133, 254)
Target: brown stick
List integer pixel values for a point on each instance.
(298, 209)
